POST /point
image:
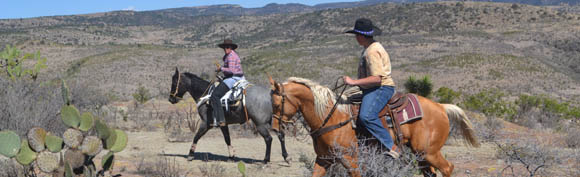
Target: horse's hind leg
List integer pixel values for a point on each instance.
(203, 128)
(226, 132)
(438, 161)
(283, 144)
(267, 138)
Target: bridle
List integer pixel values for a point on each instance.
(284, 98)
(174, 94)
(321, 130)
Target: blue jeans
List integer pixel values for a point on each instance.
(374, 100)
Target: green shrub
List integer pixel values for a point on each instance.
(142, 94)
(490, 103)
(14, 63)
(446, 95)
(423, 87)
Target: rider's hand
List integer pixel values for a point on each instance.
(348, 80)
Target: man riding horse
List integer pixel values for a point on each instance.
(232, 69)
(374, 79)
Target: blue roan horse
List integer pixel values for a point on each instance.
(259, 109)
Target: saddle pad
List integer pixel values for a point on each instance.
(411, 112)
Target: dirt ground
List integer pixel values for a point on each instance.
(149, 151)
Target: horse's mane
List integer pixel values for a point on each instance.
(193, 76)
(322, 96)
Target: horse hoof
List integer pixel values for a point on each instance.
(288, 160)
(266, 161)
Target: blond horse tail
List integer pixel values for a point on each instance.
(457, 116)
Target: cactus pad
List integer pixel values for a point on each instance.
(10, 143)
(53, 143)
(64, 92)
(75, 158)
(102, 129)
(36, 137)
(107, 161)
(26, 155)
(72, 138)
(47, 161)
(92, 145)
(120, 142)
(86, 121)
(70, 116)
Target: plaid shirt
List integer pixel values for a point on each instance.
(232, 64)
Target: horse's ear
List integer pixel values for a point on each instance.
(176, 71)
(272, 82)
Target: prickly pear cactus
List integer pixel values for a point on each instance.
(47, 161)
(72, 138)
(36, 137)
(75, 158)
(9, 143)
(102, 129)
(120, 141)
(65, 93)
(107, 161)
(53, 143)
(26, 155)
(87, 121)
(91, 146)
(70, 116)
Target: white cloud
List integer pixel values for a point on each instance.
(130, 8)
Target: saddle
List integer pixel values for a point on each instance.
(235, 96)
(402, 108)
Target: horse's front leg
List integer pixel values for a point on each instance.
(203, 128)
(349, 162)
(320, 167)
(283, 144)
(226, 132)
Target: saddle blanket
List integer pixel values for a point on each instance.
(411, 112)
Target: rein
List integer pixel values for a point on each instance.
(322, 130)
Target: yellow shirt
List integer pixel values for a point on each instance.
(375, 61)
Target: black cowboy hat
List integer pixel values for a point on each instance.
(228, 42)
(365, 27)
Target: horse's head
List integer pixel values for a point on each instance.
(284, 104)
(177, 88)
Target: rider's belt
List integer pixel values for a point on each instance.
(235, 75)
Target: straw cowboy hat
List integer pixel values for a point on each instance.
(228, 43)
(365, 27)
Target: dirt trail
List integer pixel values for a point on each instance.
(150, 147)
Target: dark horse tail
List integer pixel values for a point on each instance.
(457, 116)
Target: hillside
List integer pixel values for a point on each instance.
(119, 50)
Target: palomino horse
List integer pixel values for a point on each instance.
(259, 110)
(424, 136)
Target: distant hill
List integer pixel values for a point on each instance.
(466, 46)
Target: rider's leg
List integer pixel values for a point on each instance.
(218, 112)
(374, 100)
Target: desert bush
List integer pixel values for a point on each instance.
(12, 60)
(27, 104)
(423, 87)
(446, 95)
(141, 95)
(213, 170)
(161, 167)
(542, 111)
(491, 103)
(528, 156)
(488, 130)
(373, 162)
(572, 139)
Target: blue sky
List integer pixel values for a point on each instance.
(36, 8)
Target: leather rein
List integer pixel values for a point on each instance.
(321, 130)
